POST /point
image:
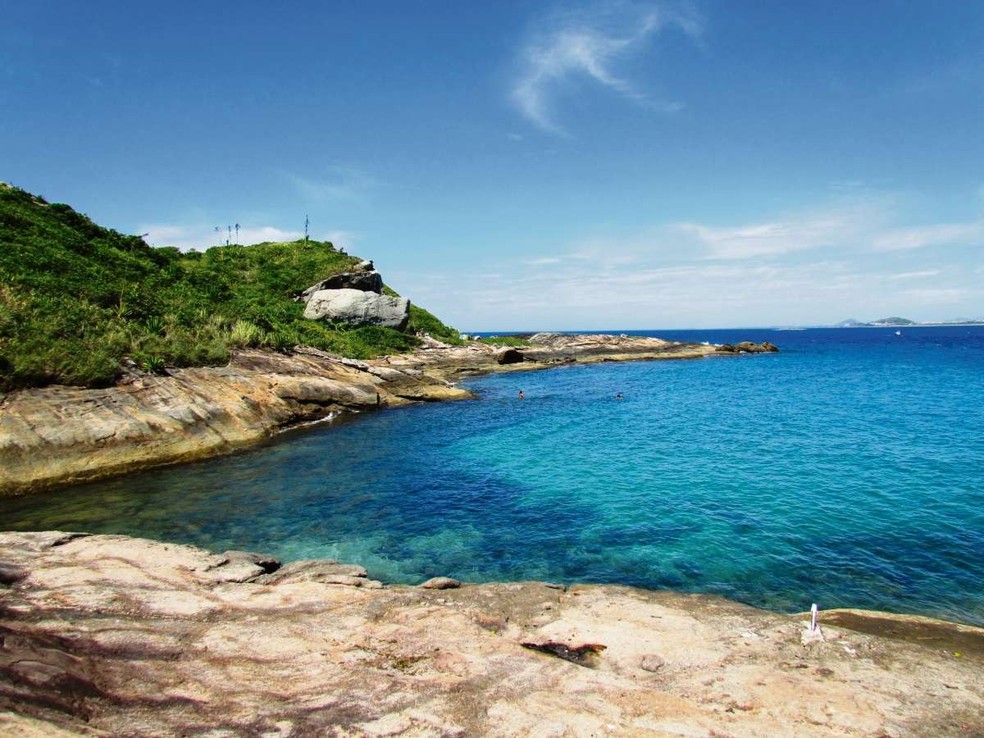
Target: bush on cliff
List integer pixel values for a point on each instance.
(76, 300)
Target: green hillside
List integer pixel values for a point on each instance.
(77, 300)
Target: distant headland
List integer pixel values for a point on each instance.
(897, 322)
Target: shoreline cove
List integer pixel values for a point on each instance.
(59, 435)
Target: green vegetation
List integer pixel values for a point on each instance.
(76, 300)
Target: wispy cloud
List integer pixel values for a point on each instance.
(833, 226)
(937, 234)
(338, 183)
(818, 265)
(912, 275)
(590, 43)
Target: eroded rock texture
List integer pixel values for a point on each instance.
(106, 635)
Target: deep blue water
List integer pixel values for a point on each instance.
(847, 470)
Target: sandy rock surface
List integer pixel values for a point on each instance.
(107, 635)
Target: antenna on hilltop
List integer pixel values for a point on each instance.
(237, 234)
(306, 223)
(218, 230)
(228, 234)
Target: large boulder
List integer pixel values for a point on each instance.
(365, 281)
(356, 307)
(508, 355)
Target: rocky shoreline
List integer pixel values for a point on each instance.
(60, 435)
(110, 636)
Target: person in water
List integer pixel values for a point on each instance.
(618, 396)
(521, 395)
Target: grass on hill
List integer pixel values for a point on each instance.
(77, 300)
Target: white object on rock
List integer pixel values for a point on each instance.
(812, 633)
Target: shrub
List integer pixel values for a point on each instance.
(75, 299)
(245, 334)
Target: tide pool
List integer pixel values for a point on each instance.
(845, 470)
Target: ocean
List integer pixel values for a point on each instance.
(846, 470)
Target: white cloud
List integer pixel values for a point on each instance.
(201, 237)
(589, 44)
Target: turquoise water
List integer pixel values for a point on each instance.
(846, 470)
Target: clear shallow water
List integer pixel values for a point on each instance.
(847, 470)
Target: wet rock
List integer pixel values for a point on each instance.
(748, 347)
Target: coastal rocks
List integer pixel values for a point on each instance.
(58, 435)
(109, 635)
(356, 307)
(324, 572)
(440, 583)
(747, 347)
(563, 347)
(508, 356)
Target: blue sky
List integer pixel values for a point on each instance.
(526, 165)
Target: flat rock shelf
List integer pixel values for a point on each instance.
(109, 635)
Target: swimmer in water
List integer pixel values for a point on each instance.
(618, 396)
(521, 395)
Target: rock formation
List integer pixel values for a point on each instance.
(112, 636)
(748, 347)
(371, 281)
(355, 298)
(357, 307)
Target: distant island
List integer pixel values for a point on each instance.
(895, 322)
